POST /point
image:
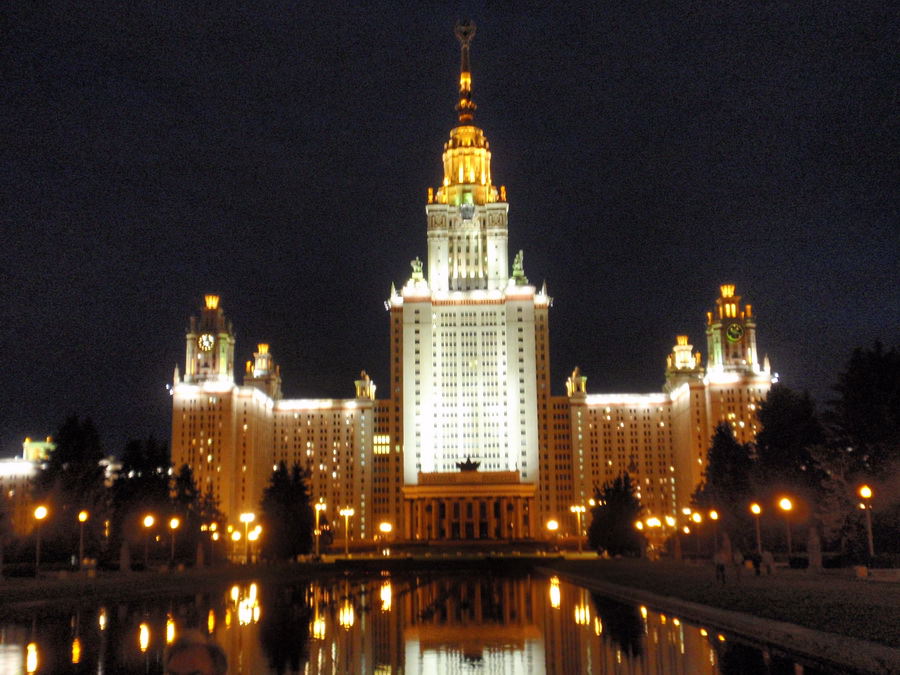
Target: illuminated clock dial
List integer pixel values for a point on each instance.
(734, 332)
(206, 342)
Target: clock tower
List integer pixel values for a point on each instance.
(731, 335)
(209, 349)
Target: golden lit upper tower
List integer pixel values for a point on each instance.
(467, 215)
(731, 335)
(209, 349)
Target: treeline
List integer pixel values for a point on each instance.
(114, 502)
(817, 458)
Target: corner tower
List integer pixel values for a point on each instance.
(731, 335)
(209, 346)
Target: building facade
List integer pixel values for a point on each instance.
(469, 442)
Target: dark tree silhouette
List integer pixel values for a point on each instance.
(613, 518)
(141, 486)
(726, 485)
(864, 420)
(71, 479)
(790, 427)
(287, 515)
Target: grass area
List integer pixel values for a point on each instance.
(830, 602)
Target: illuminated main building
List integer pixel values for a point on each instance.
(469, 444)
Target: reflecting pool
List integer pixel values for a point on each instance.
(410, 624)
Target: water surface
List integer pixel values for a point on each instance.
(410, 624)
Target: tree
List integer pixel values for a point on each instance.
(287, 515)
(141, 486)
(790, 427)
(613, 518)
(865, 418)
(71, 479)
(73, 476)
(726, 485)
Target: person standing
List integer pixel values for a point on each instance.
(719, 560)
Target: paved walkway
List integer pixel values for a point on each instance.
(831, 601)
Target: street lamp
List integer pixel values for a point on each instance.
(246, 519)
(578, 509)
(865, 492)
(320, 506)
(82, 519)
(40, 513)
(756, 510)
(786, 505)
(149, 520)
(697, 518)
(174, 522)
(346, 513)
(252, 537)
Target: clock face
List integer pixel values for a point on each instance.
(206, 342)
(734, 332)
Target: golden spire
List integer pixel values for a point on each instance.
(465, 33)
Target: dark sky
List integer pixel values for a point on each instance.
(278, 153)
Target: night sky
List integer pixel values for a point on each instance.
(279, 154)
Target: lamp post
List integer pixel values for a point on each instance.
(346, 513)
(252, 537)
(40, 512)
(553, 529)
(786, 505)
(697, 518)
(714, 516)
(865, 492)
(82, 519)
(756, 510)
(578, 509)
(246, 519)
(235, 538)
(320, 506)
(149, 520)
(174, 522)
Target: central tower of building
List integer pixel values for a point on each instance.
(469, 335)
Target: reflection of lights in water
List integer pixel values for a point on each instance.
(554, 592)
(31, 658)
(245, 612)
(386, 595)
(227, 618)
(76, 651)
(582, 615)
(598, 626)
(252, 593)
(101, 619)
(318, 630)
(210, 622)
(235, 593)
(170, 629)
(346, 615)
(144, 637)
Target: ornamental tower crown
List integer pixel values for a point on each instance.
(467, 215)
(467, 156)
